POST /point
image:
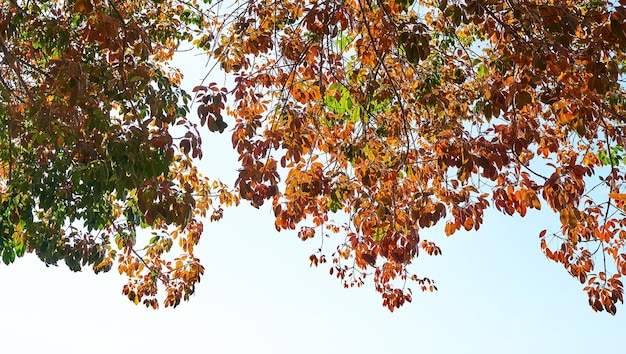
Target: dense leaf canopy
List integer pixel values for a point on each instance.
(371, 120)
(86, 149)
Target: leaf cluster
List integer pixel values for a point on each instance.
(398, 118)
(88, 159)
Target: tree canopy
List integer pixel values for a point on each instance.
(368, 121)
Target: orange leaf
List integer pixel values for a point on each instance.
(450, 228)
(617, 196)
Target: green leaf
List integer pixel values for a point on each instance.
(379, 233)
(8, 256)
(355, 115)
(482, 71)
(335, 203)
(343, 41)
(20, 249)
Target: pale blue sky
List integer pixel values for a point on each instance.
(497, 294)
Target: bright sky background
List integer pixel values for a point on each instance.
(497, 294)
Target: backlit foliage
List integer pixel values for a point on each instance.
(368, 121)
(88, 158)
(404, 115)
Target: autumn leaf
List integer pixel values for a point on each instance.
(414, 124)
(392, 118)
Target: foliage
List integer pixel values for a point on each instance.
(399, 116)
(88, 156)
(391, 115)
